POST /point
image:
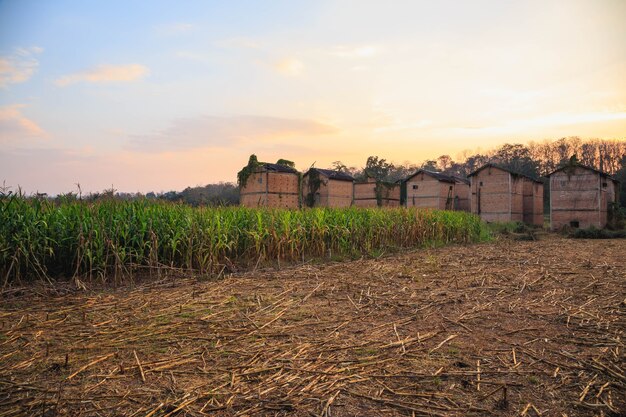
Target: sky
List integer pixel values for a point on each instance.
(160, 95)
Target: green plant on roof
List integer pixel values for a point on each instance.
(286, 163)
(244, 174)
(253, 166)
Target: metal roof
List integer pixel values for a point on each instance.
(578, 165)
(497, 166)
(463, 180)
(437, 175)
(333, 175)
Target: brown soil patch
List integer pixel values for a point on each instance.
(503, 328)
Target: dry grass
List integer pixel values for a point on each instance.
(502, 328)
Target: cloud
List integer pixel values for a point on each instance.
(105, 73)
(218, 132)
(363, 51)
(289, 66)
(19, 66)
(238, 43)
(193, 56)
(14, 125)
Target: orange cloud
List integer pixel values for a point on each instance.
(14, 125)
(289, 66)
(363, 51)
(224, 132)
(105, 73)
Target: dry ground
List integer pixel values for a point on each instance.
(502, 328)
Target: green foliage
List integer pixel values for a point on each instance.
(616, 216)
(340, 167)
(514, 230)
(314, 182)
(244, 174)
(253, 166)
(112, 239)
(517, 158)
(382, 191)
(507, 228)
(620, 175)
(221, 194)
(594, 233)
(378, 168)
(286, 162)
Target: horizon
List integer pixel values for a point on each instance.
(461, 158)
(150, 97)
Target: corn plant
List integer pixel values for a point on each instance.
(111, 240)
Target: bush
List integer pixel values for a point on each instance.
(594, 233)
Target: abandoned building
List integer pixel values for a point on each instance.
(428, 189)
(373, 193)
(501, 195)
(327, 188)
(461, 194)
(580, 197)
(269, 185)
(532, 208)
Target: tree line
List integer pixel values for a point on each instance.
(536, 160)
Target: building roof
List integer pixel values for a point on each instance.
(333, 175)
(437, 175)
(497, 166)
(371, 180)
(578, 165)
(278, 168)
(463, 180)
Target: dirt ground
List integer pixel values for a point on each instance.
(501, 328)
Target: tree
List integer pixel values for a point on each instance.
(339, 166)
(378, 168)
(444, 162)
(474, 162)
(621, 177)
(429, 165)
(516, 157)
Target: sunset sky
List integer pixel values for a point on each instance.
(161, 95)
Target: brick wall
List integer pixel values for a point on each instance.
(270, 189)
(462, 196)
(491, 195)
(331, 193)
(424, 191)
(365, 195)
(576, 199)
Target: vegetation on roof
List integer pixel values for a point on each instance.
(286, 163)
(254, 165)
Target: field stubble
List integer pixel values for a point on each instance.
(500, 328)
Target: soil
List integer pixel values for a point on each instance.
(502, 328)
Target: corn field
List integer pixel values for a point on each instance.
(112, 240)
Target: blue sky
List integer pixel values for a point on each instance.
(161, 95)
